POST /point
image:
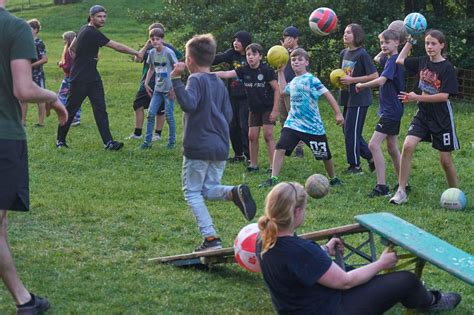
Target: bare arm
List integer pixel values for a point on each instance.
(348, 80)
(276, 100)
(226, 74)
(26, 90)
(72, 48)
(149, 74)
(374, 83)
(40, 62)
(378, 57)
(332, 101)
(404, 53)
(281, 79)
(141, 53)
(336, 278)
(425, 98)
(121, 48)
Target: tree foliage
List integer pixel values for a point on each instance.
(267, 19)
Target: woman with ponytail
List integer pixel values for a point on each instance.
(302, 278)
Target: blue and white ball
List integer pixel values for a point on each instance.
(453, 199)
(415, 23)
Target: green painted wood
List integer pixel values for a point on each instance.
(421, 243)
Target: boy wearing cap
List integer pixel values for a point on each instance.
(290, 42)
(86, 80)
(239, 126)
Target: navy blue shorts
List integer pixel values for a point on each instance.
(388, 127)
(14, 191)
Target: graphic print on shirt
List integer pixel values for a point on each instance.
(429, 82)
(160, 66)
(348, 66)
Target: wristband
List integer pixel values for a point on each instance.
(412, 41)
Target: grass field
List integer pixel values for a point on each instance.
(97, 216)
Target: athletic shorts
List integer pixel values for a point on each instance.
(388, 127)
(142, 99)
(260, 119)
(318, 144)
(433, 127)
(14, 191)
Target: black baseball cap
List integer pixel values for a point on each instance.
(96, 9)
(291, 31)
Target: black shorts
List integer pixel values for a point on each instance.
(142, 99)
(260, 119)
(39, 80)
(14, 191)
(388, 127)
(433, 127)
(317, 143)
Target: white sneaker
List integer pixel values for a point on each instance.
(399, 198)
(133, 136)
(156, 137)
(75, 122)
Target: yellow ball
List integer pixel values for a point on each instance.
(335, 76)
(277, 56)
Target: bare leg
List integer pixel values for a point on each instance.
(254, 133)
(139, 118)
(41, 113)
(329, 166)
(24, 111)
(392, 148)
(446, 160)
(270, 141)
(409, 147)
(375, 147)
(277, 162)
(7, 267)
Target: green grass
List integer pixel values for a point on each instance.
(96, 216)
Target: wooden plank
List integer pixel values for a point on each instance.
(222, 255)
(421, 243)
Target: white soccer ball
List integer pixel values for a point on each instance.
(453, 199)
(244, 247)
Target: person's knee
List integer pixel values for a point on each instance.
(446, 161)
(268, 136)
(373, 146)
(392, 149)
(409, 147)
(405, 280)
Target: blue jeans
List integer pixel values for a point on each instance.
(202, 180)
(157, 100)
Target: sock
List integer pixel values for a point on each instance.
(158, 132)
(138, 131)
(29, 303)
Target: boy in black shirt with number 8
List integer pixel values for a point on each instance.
(261, 87)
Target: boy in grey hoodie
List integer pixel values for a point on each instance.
(207, 113)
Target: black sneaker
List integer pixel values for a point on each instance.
(40, 305)
(372, 165)
(444, 302)
(354, 170)
(114, 145)
(253, 169)
(61, 144)
(237, 159)
(272, 181)
(210, 243)
(269, 171)
(380, 191)
(242, 198)
(335, 182)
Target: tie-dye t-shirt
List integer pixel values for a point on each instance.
(304, 91)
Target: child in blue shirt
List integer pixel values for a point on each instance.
(390, 83)
(304, 120)
(161, 60)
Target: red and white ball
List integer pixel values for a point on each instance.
(244, 247)
(323, 21)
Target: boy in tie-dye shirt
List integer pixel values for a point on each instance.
(304, 122)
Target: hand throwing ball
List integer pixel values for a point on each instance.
(317, 186)
(244, 247)
(415, 23)
(277, 56)
(335, 76)
(323, 21)
(453, 199)
(400, 28)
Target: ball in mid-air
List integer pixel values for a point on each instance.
(323, 21)
(317, 186)
(277, 56)
(415, 23)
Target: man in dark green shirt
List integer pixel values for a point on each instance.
(16, 84)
